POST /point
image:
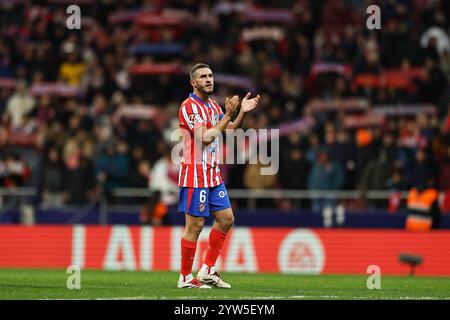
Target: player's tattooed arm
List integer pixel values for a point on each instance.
(247, 105)
(208, 135)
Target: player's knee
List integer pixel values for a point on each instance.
(231, 221)
(227, 222)
(196, 227)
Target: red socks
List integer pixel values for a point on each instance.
(187, 256)
(216, 239)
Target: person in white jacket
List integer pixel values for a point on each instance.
(19, 104)
(442, 39)
(164, 178)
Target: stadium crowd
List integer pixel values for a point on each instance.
(85, 111)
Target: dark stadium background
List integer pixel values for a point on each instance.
(86, 115)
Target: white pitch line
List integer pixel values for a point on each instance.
(110, 298)
(128, 298)
(221, 297)
(306, 297)
(261, 298)
(370, 298)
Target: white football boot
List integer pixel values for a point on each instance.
(210, 276)
(189, 282)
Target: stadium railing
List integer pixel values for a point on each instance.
(25, 203)
(278, 194)
(18, 198)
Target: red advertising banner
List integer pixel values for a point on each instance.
(279, 250)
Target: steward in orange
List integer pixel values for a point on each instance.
(423, 208)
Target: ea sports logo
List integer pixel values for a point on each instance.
(301, 251)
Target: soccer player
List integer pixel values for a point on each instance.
(201, 187)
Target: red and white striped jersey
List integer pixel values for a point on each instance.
(199, 167)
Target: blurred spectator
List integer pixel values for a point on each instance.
(53, 180)
(325, 175)
(13, 171)
(435, 82)
(164, 177)
(376, 173)
(254, 180)
(78, 165)
(19, 104)
(296, 162)
(342, 150)
(141, 177)
(422, 168)
(112, 167)
(46, 112)
(314, 148)
(436, 39)
(72, 70)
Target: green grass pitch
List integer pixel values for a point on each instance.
(51, 284)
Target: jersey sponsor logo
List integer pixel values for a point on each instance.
(194, 118)
(222, 194)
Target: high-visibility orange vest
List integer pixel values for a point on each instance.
(419, 209)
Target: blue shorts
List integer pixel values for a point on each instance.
(199, 202)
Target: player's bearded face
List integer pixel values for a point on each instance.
(208, 87)
(204, 81)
